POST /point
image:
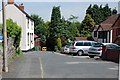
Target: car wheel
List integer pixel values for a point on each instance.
(91, 56)
(79, 53)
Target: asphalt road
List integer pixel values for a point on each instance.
(55, 65)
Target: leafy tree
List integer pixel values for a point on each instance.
(55, 21)
(99, 13)
(87, 26)
(55, 28)
(73, 18)
(114, 11)
(14, 31)
(38, 20)
(41, 28)
(59, 45)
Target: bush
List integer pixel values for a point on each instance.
(18, 52)
(14, 31)
(59, 44)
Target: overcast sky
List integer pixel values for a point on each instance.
(44, 9)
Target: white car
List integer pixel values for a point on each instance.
(97, 49)
(80, 47)
(65, 49)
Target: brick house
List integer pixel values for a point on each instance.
(108, 31)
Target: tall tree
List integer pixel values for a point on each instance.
(99, 13)
(87, 26)
(55, 27)
(55, 21)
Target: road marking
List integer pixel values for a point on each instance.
(71, 55)
(114, 68)
(41, 68)
(86, 62)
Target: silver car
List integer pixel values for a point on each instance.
(97, 49)
(65, 49)
(80, 47)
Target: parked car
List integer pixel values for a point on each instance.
(80, 47)
(65, 49)
(97, 49)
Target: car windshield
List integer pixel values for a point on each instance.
(97, 45)
(113, 46)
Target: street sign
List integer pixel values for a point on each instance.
(1, 38)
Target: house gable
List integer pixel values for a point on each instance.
(106, 29)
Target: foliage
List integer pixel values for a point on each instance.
(100, 13)
(14, 31)
(59, 44)
(41, 28)
(38, 20)
(87, 26)
(18, 52)
(73, 18)
(55, 28)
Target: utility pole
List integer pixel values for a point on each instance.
(5, 55)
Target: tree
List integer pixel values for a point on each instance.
(73, 18)
(55, 21)
(14, 31)
(87, 26)
(55, 26)
(114, 11)
(38, 20)
(99, 13)
(41, 28)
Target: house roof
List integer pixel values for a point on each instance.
(117, 23)
(23, 12)
(80, 38)
(108, 23)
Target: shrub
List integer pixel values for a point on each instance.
(59, 44)
(18, 52)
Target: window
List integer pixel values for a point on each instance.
(28, 22)
(28, 39)
(79, 44)
(95, 33)
(102, 34)
(32, 38)
(31, 24)
(87, 44)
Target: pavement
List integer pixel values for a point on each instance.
(55, 65)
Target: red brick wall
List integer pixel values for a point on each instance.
(111, 54)
(37, 43)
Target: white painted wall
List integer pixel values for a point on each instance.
(12, 12)
(111, 36)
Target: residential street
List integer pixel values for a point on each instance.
(54, 65)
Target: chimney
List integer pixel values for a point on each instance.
(21, 6)
(10, 1)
